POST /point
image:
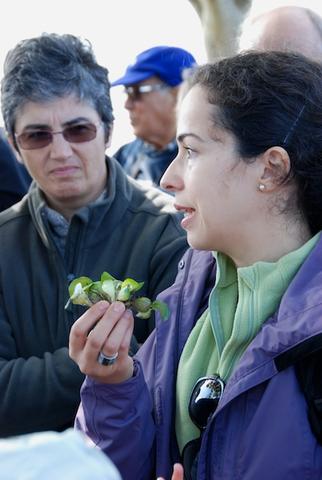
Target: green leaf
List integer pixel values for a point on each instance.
(133, 285)
(85, 291)
(108, 287)
(106, 276)
(144, 315)
(124, 294)
(96, 293)
(80, 296)
(142, 304)
(82, 280)
(162, 308)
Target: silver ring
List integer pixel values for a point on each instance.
(106, 360)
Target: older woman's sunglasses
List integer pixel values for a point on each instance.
(204, 399)
(42, 137)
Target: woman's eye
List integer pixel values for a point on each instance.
(189, 152)
(37, 134)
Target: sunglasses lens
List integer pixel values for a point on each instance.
(83, 132)
(204, 399)
(133, 93)
(34, 139)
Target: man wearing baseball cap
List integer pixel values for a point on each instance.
(151, 84)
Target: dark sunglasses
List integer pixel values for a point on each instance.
(135, 92)
(204, 399)
(39, 138)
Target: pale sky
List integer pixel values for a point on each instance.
(118, 30)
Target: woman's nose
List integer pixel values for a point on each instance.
(60, 147)
(171, 179)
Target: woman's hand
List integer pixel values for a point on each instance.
(177, 472)
(105, 328)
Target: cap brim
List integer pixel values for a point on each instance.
(132, 77)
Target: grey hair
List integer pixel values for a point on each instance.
(52, 66)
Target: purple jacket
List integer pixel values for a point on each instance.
(260, 429)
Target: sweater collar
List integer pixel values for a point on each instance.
(297, 319)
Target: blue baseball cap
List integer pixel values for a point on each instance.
(164, 62)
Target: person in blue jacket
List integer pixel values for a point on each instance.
(208, 389)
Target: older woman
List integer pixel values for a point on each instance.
(206, 390)
(81, 216)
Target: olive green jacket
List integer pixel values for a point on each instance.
(134, 232)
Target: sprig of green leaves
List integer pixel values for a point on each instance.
(85, 291)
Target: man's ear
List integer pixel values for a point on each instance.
(15, 148)
(276, 165)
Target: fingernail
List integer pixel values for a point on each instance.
(103, 305)
(118, 307)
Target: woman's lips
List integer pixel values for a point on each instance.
(64, 171)
(188, 214)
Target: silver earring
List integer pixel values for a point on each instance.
(261, 187)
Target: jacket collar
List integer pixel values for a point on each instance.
(298, 319)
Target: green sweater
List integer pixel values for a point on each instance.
(134, 232)
(240, 302)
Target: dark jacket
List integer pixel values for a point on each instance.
(133, 233)
(14, 178)
(260, 429)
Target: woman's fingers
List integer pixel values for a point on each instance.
(107, 330)
(119, 338)
(83, 326)
(112, 335)
(177, 472)
(126, 341)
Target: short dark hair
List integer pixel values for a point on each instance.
(52, 66)
(272, 99)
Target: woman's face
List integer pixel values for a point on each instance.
(213, 187)
(70, 174)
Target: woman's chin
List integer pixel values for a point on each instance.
(195, 243)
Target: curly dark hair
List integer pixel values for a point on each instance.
(272, 99)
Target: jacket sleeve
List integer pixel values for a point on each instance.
(37, 393)
(119, 420)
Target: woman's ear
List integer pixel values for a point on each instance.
(276, 166)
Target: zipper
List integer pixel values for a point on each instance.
(186, 266)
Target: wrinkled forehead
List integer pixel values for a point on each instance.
(58, 111)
